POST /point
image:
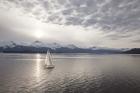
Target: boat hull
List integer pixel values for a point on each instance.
(49, 66)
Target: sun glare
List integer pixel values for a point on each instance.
(38, 34)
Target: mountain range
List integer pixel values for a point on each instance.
(41, 47)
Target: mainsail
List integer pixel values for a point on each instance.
(48, 60)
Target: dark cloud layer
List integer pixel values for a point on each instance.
(110, 15)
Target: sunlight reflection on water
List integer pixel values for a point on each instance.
(73, 73)
(38, 66)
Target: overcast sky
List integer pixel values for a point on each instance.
(85, 23)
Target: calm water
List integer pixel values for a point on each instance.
(74, 73)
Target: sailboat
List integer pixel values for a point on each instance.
(48, 61)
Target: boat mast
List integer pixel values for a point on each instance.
(48, 58)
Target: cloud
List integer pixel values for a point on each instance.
(110, 15)
(137, 41)
(115, 20)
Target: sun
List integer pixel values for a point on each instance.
(38, 34)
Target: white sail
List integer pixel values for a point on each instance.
(48, 60)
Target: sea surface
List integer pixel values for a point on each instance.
(73, 73)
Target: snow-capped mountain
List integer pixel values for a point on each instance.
(38, 46)
(53, 45)
(72, 46)
(7, 44)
